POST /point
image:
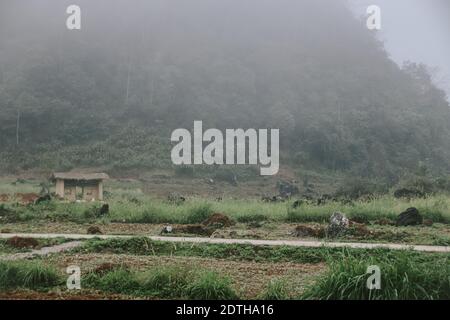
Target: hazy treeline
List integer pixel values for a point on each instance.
(111, 93)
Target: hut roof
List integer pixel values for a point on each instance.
(79, 176)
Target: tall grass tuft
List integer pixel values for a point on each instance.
(275, 290)
(27, 275)
(211, 286)
(403, 276)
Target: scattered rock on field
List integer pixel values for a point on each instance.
(338, 224)
(167, 229)
(410, 217)
(287, 189)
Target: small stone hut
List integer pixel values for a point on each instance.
(70, 185)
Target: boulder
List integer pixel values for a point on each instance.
(410, 217)
(338, 225)
(287, 189)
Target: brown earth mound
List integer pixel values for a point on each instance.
(309, 231)
(218, 220)
(194, 229)
(27, 198)
(94, 230)
(19, 242)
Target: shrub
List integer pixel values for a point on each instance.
(403, 276)
(118, 280)
(27, 275)
(275, 290)
(167, 282)
(211, 286)
(199, 214)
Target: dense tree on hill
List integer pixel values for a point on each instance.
(111, 93)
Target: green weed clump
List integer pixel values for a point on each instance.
(403, 276)
(166, 283)
(118, 281)
(211, 286)
(276, 290)
(27, 275)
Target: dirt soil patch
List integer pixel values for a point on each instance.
(218, 220)
(248, 278)
(60, 295)
(22, 243)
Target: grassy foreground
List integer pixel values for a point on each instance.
(404, 274)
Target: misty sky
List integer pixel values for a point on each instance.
(415, 30)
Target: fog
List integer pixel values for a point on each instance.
(112, 92)
(415, 30)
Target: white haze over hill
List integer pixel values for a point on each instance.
(415, 30)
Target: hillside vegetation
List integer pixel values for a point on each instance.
(110, 94)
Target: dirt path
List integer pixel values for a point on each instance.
(292, 243)
(42, 252)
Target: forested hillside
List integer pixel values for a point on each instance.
(111, 93)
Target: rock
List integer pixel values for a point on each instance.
(408, 193)
(309, 231)
(167, 229)
(218, 220)
(410, 217)
(428, 222)
(338, 225)
(94, 230)
(20, 242)
(287, 189)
